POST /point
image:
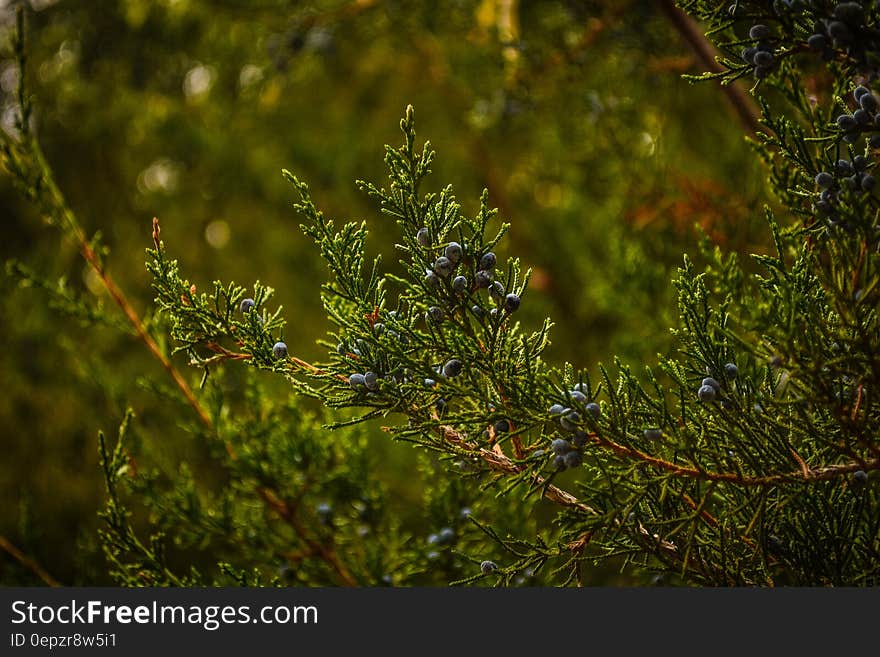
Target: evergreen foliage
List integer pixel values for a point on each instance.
(747, 458)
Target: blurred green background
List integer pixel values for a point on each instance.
(573, 114)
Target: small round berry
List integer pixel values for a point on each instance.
(430, 383)
(758, 32)
(496, 291)
(839, 32)
(446, 535)
(558, 463)
(511, 302)
(594, 410)
(763, 58)
(477, 311)
(435, 314)
(824, 179)
(570, 421)
(538, 453)
(357, 381)
(432, 539)
(580, 438)
(432, 280)
(453, 252)
(246, 305)
(465, 512)
(850, 12)
(488, 567)
(860, 91)
(488, 261)
(874, 142)
(860, 163)
(573, 459)
(868, 183)
(422, 237)
(459, 284)
(761, 72)
(578, 396)
(279, 350)
(731, 370)
(452, 368)
(371, 381)
(860, 477)
(443, 266)
(502, 426)
(844, 167)
(868, 103)
(709, 381)
(557, 409)
(560, 446)
(653, 434)
(748, 54)
(441, 405)
(341, 349)
(433, 555)
(817, 42)
(483, 278)
(706, 393)
(863, 117)
(846, 122)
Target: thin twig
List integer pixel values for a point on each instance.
(742, 104)
(315, 547)
(28, 562)
(823, 473)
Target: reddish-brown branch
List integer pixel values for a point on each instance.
(742, 104)
(315, 547)
(28, 562)
(806, 474)
(133, 319)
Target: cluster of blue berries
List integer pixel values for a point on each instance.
(444, 536)
(445, 264)
(444, 267)
(863, 119)
(845, 30)
(710, 389)
(851, 175)
(567, 451)
(761, 54)
(369, 381)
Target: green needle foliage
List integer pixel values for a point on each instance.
(747, 458)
